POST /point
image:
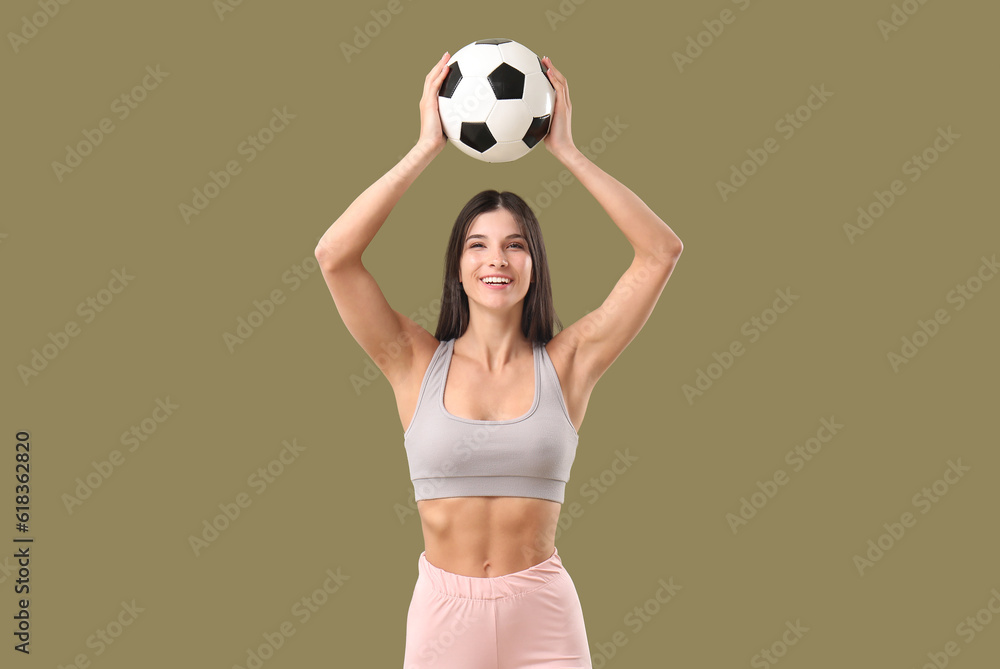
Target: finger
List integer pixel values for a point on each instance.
(557, 79)
(555, 71)
(436, 70)
(561, 88)
(436, 77)
(435, 83)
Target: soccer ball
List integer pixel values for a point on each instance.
(496, 101)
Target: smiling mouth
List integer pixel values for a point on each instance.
(496, 283)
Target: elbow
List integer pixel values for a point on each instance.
(665, 242)
(661, 253)
(325, 259)
(330, 262)
(673, 245)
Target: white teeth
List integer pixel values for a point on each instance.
(495, 280)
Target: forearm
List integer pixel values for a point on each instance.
(645, 231)
(350, 235)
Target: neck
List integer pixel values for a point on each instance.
(497, 343)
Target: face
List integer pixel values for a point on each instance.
(494, 246)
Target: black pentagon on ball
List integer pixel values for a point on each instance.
(477, 136)
(451, 81)
(537, 130)
(495, 40)
(507, 82)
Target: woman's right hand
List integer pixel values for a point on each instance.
(431, 132)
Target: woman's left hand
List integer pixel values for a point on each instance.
(559, 140)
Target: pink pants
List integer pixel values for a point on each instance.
(530, 618)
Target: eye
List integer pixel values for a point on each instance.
(517, 244)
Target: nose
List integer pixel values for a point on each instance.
(499, 260)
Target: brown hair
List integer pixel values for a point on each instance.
(538, 315)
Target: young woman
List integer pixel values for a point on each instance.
(491, 405)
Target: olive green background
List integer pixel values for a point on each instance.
(345, 503)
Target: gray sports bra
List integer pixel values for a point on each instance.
(529, 456)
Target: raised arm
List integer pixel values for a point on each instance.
(597, 339)
(360, 302)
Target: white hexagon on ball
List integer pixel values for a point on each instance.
(477, 60)
(472, 103)
(539, 97)
(509, 120)
(520, 57)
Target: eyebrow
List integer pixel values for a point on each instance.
(516, 234)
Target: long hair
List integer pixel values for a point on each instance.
(538, 315)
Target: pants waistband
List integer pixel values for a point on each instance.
(490, 587)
